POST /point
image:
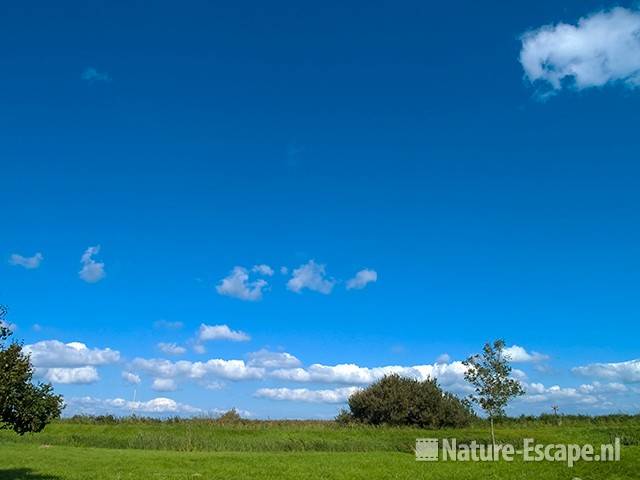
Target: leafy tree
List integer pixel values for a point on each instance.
(490, 375)
(396, 400)
(24, 407)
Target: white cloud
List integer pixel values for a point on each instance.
(311, 276)
(625, 372)
(263, 270)
(26, 262)
(338, 395)
(450, 376)
(158, 405)
(171, 348)
(221, 332)
(131, 378)
(362, 278)
(237, 285)
(183, 369)
(164, 385)
(78, 375)
(602, 48)
(53, 353)
(266, 359)
(91, 271)
(518, 354)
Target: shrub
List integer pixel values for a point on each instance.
(396, 400)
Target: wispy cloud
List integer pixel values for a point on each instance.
(171, 348)
(91, 75)
(27, 262)
(91, 271)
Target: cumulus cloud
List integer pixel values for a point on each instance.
(338, 395)
(625, 372)
(518, 354)
(78, 375)
(603, 48)
(131, 378)
(238, 285)
(159, 405)
(171, 348)
(361, 279)
(311, 276)
(183, 369)
(91, 75)
(164, 385)
(68, 363)
(449, 375)
(91, 271)
(583, 395)
(27, 262)
(53, 353)
(221, 332)
(266, 359)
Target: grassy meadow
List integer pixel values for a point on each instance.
(86, 448)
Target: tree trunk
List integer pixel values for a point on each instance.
(493, 434)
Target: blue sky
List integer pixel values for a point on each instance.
(476, 163)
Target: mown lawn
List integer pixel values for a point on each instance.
(201, 450)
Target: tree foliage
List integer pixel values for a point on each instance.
(396, 400)
(490, 375)
(24, 406)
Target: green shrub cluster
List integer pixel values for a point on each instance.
(396, 400)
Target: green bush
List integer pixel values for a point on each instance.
(396, 400)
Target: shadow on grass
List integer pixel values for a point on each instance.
(24, 474)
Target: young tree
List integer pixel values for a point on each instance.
(489, 374)
(24, 407)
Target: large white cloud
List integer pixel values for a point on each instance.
(91, 271)
(75, 375)
(27, 262)
(157, 405)
(238, 285)
(53, 353)
(221, 332)
(450, 376)
(266, 359)
(218, 368)
(602, 48)
(361, 279)
(338, 395)
(311, 276)
(626, 372)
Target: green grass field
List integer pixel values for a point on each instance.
(291, 450)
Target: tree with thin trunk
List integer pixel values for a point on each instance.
(490, 375)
